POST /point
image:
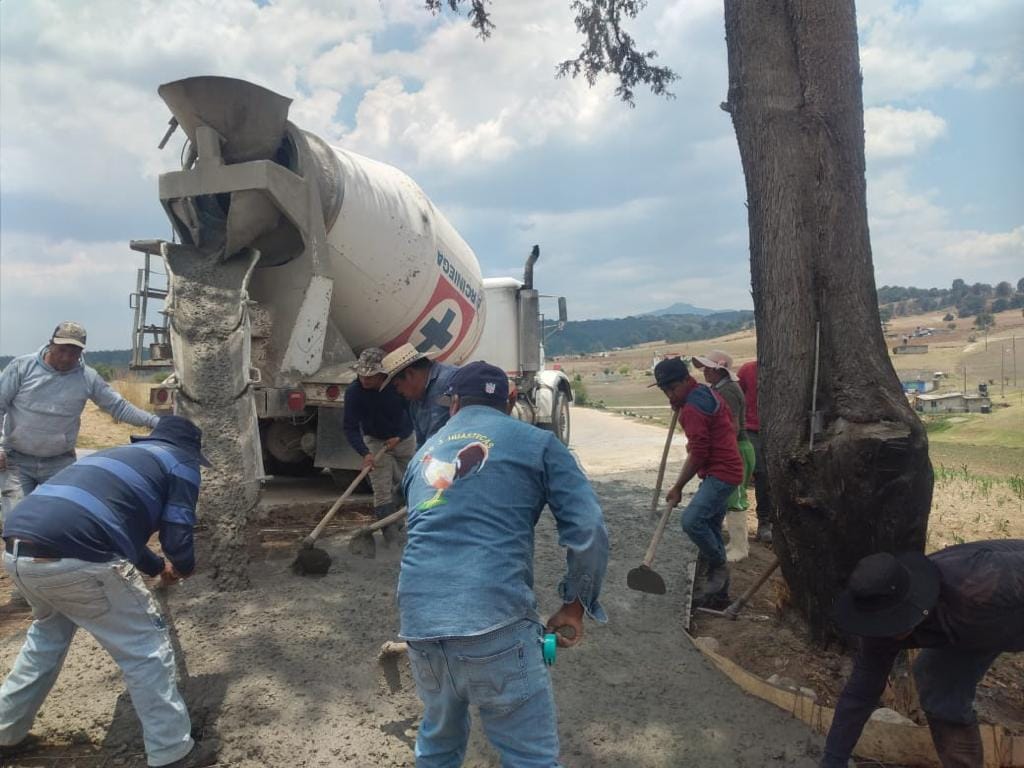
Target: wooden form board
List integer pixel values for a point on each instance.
(885, 742)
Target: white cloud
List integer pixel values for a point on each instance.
(916, 241)
(891, 132)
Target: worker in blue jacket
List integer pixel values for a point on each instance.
(75, 548)
(475, 491)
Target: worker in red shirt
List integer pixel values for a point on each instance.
(748, 383)
(713, 456)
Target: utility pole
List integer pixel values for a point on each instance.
(1002, 370)
(1014, 362)
(964, 390)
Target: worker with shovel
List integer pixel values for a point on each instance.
(75, 548)
(375, 418)
(712, 456)
(475, 491)
(717, 368)
(963, 606)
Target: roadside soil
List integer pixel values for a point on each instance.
(286, 673)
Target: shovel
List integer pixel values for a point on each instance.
(664, 461)
(362, 542)
(643, 578)
(733, 611)
(314, 561)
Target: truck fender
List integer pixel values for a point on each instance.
(548, 382)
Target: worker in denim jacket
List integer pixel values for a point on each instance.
(475, 491)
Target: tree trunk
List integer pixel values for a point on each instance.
(866, 486)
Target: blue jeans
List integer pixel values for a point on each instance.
(947, 679)
(702, 519)
(25, 473)
(503, 674)
(110, 602)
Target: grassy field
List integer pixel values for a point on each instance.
(978, 458)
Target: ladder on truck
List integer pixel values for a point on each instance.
(151, 342)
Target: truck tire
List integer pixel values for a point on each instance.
(560, 420)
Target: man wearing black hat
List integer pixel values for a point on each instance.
(475, 491)
(713, 456)
(75, 547)
(963, 606)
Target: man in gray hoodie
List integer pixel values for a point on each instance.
(42, 396)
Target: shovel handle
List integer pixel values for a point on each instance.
(308, 541)
(733, 610)
(658, 533)
(664, 462)
(384, 522)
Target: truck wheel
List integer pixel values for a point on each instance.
(560, 416)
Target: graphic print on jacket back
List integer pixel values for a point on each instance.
(450, 461)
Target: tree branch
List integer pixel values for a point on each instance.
(479, 16)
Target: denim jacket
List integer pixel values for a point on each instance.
(427, 414)
(475, 491)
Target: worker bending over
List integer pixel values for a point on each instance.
(375, 418)
(75, 548)
(963, 606)
(475, 491)
(422, 382)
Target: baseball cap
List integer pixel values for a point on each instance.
(69, 332)
(669, 370)
(370, 362)
(478, 380)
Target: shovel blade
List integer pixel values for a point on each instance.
(643, 579)
(362, 544)
(311, 561)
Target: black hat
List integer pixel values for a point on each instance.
(669, 370)
(180, 432)
(888, 595)
(478, 380)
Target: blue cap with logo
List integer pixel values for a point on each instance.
(478, 380)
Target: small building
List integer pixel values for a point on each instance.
(920, 386)
(953, 402)
(910, 349)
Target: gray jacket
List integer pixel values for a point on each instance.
(41, 408)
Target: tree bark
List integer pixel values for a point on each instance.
(866, 486)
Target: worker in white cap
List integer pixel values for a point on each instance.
(421, 381)
(42, 396)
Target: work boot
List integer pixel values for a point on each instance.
(958, 744)
(717, 580)
(203, 754)
(764, 532)
(390, 533)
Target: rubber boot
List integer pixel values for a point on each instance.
(389, 532)
(958, 744)
(738, 547)
(764, 532)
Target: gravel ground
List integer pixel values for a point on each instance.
(285, 673)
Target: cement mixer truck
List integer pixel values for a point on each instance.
(291, 256)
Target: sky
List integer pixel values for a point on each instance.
(634, 209)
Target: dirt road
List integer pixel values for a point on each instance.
(285, 674)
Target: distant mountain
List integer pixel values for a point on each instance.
(586, 336)
(682, 308)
